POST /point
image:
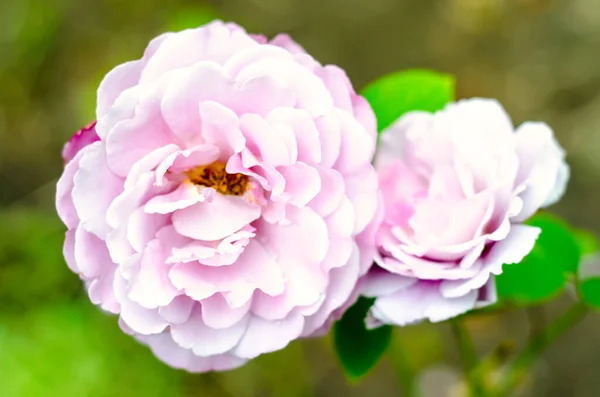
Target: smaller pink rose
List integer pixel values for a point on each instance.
(457, 186)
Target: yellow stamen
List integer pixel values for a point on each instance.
(215, 176)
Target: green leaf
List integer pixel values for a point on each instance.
(587, 241)
(31, 249)
(190, 17)
(358, 348)
(395, 94)
(41, 348)
(545, 272)
(589, 291)
(589, 269)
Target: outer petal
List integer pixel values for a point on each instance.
(362, 190)
(511, 250)
(311, 93)
(64, 189)
(171, 353)
(542, 169)
(343, 282)
(205, 341)
(101, 292)
(91, 203)
(381, 282)
(214, 42)
(178, 311)
(285, 41)
(264, 336)
(91, 254)
(392, 142)
(115, 82)
(124, 76)
(69, 250)
(140, 320)
(357, 146)
(421, 301)
(82, 138)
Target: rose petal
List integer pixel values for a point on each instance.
(64, 189)
(132, 139)
(302, 184)
(184, 196)
(151, 286)
(178, 311)
(512, 249)
(254, 269)
(205, 341)
(542, 168)
(263, 336)
(217, 219)
(216, 312)
(91, 203)
(141, 320)
(418, 302)
(167, 350)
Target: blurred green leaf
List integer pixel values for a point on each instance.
(282, 373)
(589, 271)
(395, 94)
(412, 351)
(190, 17)
(587, 241)
(358, 348)
(32, 267)
(72, 350)
(422, 345)
(546, 270)
(589, 291)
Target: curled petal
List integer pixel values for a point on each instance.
(543, 170)
(82, 138)
(420, 301)
(216, 219)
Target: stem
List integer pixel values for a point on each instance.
(520, 366)
(537, 320)
(468, 357)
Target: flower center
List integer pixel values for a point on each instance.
(215, 176)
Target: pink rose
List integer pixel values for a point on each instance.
(457, 186)
(229, 205)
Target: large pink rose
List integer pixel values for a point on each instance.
(228, 207)
(457, 186)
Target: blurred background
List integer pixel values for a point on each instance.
(538, 57)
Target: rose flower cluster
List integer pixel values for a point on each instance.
(230, 199)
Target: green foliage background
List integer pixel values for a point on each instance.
(536, 56)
